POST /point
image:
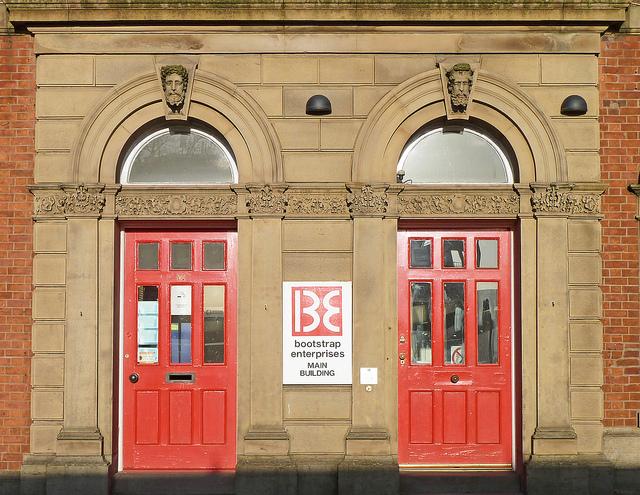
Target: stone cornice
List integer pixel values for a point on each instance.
(317, 201)
(35, 11)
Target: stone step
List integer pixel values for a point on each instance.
(441, 483)
(172, 483)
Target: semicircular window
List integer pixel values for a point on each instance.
(179, 155)
(462, 156)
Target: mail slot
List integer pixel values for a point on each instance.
(181, 377)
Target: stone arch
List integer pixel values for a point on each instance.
(217, 102)
(498, 102)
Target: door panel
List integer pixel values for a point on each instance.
(179, 341)
(454, 372)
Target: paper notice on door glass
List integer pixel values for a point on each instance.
(147, 355)
(180, 300)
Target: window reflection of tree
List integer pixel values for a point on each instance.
(190, 157)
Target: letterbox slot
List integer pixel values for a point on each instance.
(181, 377)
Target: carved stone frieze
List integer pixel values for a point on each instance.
(458, 204)
(367, 201)
(176, 204)
(267, 200)
(76, 201)
(326, 204)
(555, 200)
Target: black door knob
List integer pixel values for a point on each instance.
(455, 378)
(133, 378)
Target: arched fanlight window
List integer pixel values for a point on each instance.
(454, 156)
(179, 154)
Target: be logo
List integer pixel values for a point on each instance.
(317, 311)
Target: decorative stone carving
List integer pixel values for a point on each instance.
(333, 204)
(176, 74)
(267, 200)
(71, 201)
(554, 200)
(459, 83)
(175, 80)
(366, 201)
(458, 204)
(176, 204)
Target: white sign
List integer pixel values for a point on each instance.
(316, 339)
(368, 376)
(180, 300)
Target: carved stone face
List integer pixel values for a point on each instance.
(460, 79)
(174, 83)
(174, 90)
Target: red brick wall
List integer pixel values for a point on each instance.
(17, 123)
(620, 159)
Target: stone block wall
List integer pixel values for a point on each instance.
(620, 149)
(17, 122)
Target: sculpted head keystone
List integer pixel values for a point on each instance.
(175, 79)
(459, 82)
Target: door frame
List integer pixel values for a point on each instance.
(119, 302)
(513, 227)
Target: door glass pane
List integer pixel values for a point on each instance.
(181, 256)
(487, 253)
(421, 323)
(454, 253)
(147, 256)
(147, 324)
(487, 298)
(420, 253)
(214, 324)
(180, 324)
(454, 322)
(214, 255)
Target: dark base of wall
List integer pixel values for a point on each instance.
(548, 476)
(350, 476)
(10, 483)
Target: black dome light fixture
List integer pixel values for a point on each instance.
(318, 105)
(573, 106)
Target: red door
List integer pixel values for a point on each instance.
(454, 372)
(179, 350)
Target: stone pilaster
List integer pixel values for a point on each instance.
(554, 434)
(370, 466)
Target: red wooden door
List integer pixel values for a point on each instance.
(179, 350)
(454, 372)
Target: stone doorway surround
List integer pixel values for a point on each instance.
(77, 221)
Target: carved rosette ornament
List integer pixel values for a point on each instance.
(334, 204)
(76, 201)
(367, 201)
(555, 200)
(176, 204)
(459, 204)
(266, 200)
